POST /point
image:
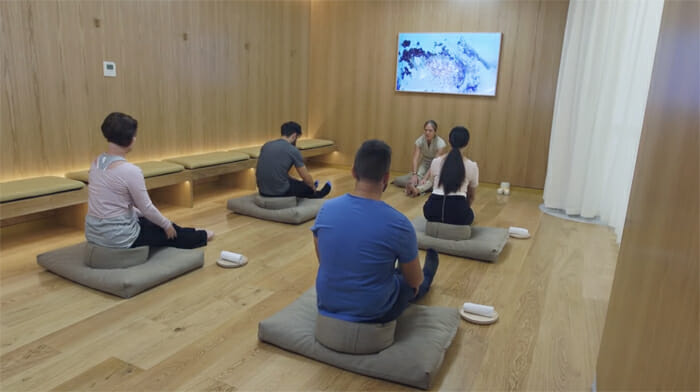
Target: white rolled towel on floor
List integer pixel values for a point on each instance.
(518, 232)
(231, 256)
(481, 310)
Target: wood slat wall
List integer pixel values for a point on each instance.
(352, 81)
(197, 75)
(651, 338)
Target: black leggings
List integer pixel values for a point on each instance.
(154, 235)
(300, 189)
(456, 210)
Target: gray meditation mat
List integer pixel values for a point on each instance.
(402, 181)
(423, 335)
(486, 243)
(305, 210)
(162, 265)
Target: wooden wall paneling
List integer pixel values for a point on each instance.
(510, 132)
(208, 92)
(89, 76)
(10, 105)
(650, 340)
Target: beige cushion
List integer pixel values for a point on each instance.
(37, 186)
(354, 338)
(149, 169)
(252, 151)
(423, 335)
(158, 168)
(162, 265)
(447, 231)
(101, 257)
(305, 144)
(209, 159)
(402, 181)
(305, 210)
(485, 243)
(82, 175)
(275, 203)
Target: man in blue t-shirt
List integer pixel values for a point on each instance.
(275, 160)
(358, 240)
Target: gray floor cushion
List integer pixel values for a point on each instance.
(448, 232)
(354, 338)
(99, 257)
(402, 181)
(163, 264)
(486, 243)
(275, 203)
(305, 210)
(423, 334)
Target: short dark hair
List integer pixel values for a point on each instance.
(372, 160)
(119, 128)
(290, 128)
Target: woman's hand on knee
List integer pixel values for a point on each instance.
(170, 232)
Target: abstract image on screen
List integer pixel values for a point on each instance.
(448, 63)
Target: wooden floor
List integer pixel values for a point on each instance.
(199, 332)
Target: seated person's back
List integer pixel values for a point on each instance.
(359, 241)
(275, 160)
(120, 212)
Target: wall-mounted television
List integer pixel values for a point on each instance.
(448, 63)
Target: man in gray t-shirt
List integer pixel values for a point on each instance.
(276, 158)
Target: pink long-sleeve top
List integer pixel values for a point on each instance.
(117, 196)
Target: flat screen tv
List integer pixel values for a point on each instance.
(448, 63)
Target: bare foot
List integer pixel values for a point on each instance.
(210, 235)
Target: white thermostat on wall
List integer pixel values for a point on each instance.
(110, 69)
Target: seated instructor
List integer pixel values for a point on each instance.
(358, 240)
(276, 158)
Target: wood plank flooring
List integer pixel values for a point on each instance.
(199, 332)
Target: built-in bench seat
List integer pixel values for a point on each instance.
(307, 147)
(31, 195)
(38, 194)
(214, 163)
(252, 151)
(307, 144)
(157, 174)
(314, 147)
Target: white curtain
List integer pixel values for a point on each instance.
(604, 77)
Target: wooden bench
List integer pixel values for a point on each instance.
(314, 147)
(38, 194)
(157, 174)
(307, 147)
(205, 165)
(172, 176)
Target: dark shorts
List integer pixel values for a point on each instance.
(454, 210)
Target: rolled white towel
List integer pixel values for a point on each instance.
(231, 256)
(518, 232)
(481, 310)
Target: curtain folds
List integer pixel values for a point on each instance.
(604, 76)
